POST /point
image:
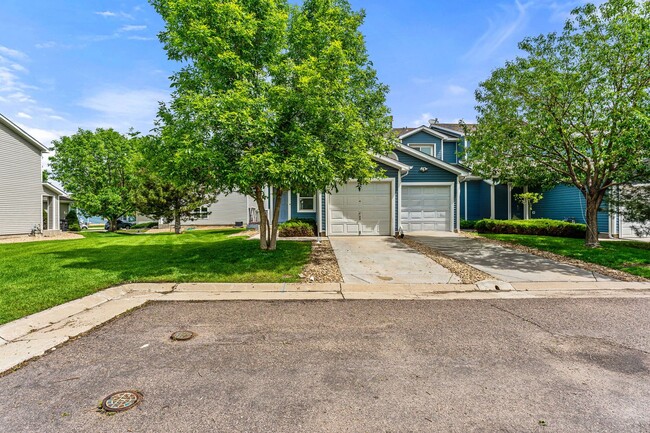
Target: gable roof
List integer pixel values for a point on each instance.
(58, 191)
(22, 134)
(412, 131)
(453, 128)
(431, 160)
(403, 168)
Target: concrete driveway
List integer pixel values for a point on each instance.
(377, 259)
(504, 263)
(349, 366)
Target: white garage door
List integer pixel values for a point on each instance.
(426, 208)
(627, 230)
(354, 212)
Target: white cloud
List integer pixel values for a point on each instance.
(456, 90)
(111, 14)
(55, 117)
(44, 136)
(141, 38)
(123, 108)
(132, 28)
(23, 115)
(52, 44)
(12, 53)
(501, 27)
(422, 120)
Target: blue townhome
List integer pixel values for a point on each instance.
(425, 186)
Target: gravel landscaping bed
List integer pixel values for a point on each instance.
(465, 272)
(322, 266)
(39, 238)
(620, 275)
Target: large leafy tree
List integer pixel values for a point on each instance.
(161, 191)
(574, 109)
(97, 168)
(272, 95)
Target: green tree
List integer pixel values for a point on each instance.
(161, 194)
(272, 96)
(97, 168)
(575, 109)
(633, 202)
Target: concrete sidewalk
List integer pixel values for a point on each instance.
(504, 263)
(34, 335)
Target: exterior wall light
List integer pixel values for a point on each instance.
(424, 169)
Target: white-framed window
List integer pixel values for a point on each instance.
(200, 213)
(429, 149)
(306, 203)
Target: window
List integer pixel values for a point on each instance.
(200, 213)
(429, 149)
(306, 204)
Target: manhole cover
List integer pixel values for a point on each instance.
(121, 401)
(182, 335)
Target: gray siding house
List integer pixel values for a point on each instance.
(25, 201)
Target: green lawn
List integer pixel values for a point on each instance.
(628, 256)
(38, 275)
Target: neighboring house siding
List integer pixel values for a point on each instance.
(517, 206)
(227, 210)
(485, 205)
(20, 184)
(473, 200)
(501, 202)
(565, 201)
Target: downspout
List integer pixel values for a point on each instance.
(458, 204)
(509, 200)
(526, 205)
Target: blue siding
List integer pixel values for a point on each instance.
(564, 201)
(433, 173)
(450, 152)
(501, 202)
(473, 200)
(517, 207)
(424, 138)
(294, 209)
(485, 205)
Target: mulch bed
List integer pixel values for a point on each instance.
(322, 266)
(592, 267)
(467, 273)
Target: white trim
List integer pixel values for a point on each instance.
(465, 200)
(298, 197)
(392, 163)
(526, 205)
(289, 205)
(391, 182)
(22, 134)
(492, 201)
(451, 198)
(509, 201)
(419, 146)
(458, 204)
(423, 129)
(431, 160)
(453, 132)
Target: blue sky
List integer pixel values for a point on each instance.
(97, 63)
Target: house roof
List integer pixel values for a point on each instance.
(22, 134)
(412, 131)
(58, 191)
(403, 168)
(453, 128)
(431, 160)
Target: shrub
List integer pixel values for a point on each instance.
(467, 224)
(146, 225)
(538, 227)
(297, 227)
(73, 220)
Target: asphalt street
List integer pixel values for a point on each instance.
(548, 365)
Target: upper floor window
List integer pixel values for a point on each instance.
(429, 149)
(306, 203)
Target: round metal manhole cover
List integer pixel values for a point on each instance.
(182, 335)
(121, 401)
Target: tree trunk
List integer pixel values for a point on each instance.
(259, 199)
(177, 222)
(593, 199)
(274, 223)
(113, 225)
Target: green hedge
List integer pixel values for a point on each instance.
(297, 227)
(147, 225)
(539, 227)
(467, 224)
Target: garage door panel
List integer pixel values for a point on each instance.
(372, 203)
(426, 208)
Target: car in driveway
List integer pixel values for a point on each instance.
(121, 224)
